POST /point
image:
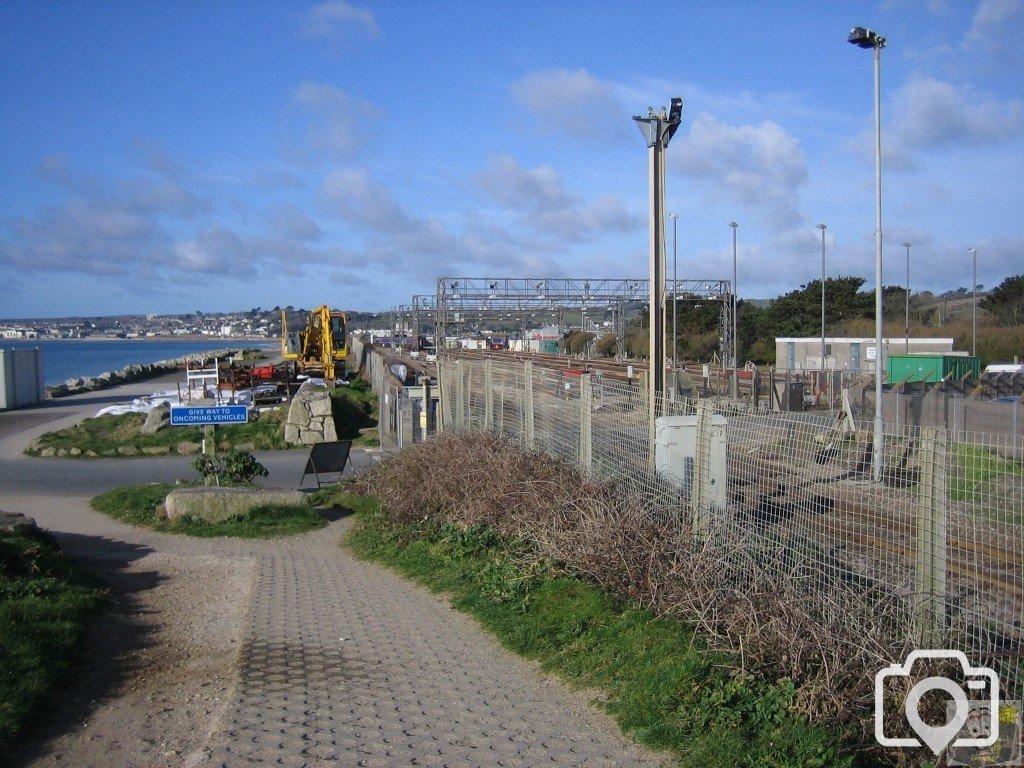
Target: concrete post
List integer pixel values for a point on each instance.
(646, 407)
(442, 391)
(488, 395)
(464, 419)
(586, 452)
(930, 567)
(528, 413)
(699, 495)
(458, 409)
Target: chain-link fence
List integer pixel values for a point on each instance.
(938, 544)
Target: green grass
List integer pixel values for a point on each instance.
(659, 682)
(983, 477)
(354, 408)
(45, 602)
(140, 504)
(103, 435)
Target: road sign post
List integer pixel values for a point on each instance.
(201, 415)
(208, 417)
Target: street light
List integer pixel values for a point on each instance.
(865, 38)
(657, 128)
(735, 346)
(974, 307)
(675, 299)
(822, 227)
(906, 320)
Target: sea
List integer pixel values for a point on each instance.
(65, 359)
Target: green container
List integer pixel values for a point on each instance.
(931, 368)
(549, 347)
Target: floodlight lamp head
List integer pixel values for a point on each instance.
(648, 129)
(865, 38)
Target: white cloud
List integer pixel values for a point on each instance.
(288, 221)
(533, 189)
(86, 236)
(996, 26)
(332, 19)
(337, 119)
(358, 198)
(934, 114)
(762, 165)
(574, 103)
(215, 250)
(537, 196)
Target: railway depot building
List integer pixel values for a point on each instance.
(857, 355)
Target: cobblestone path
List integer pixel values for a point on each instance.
(343, 662)
(347, 663)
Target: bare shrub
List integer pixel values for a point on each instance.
(782, 607)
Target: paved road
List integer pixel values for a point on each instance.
(342, 662)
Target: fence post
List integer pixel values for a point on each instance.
(930, 581)
(586, 453)
(528, 428)
(442, 392)
(645, 408)
(701, 470)
(466, 382)
(488, 395)
(459, 401)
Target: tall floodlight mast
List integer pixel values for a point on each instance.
(865, 38)
(657, 128)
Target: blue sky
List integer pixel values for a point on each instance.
(168, 157)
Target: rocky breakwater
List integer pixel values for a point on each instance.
(138, 372)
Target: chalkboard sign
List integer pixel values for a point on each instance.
(326, 458)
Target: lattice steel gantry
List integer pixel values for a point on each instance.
(463, 299)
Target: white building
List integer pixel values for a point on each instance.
(803, 353)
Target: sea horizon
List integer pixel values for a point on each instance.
(65, 359)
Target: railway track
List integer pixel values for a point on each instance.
(852, 520)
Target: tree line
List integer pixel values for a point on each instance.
(849, 311)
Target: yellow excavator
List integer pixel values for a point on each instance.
(320, 346)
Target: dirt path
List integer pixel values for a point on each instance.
(160, 667)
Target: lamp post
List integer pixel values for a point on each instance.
(865, 38)
(822, 227)
(974, 305)
(906, 310)
(657, 129)
(675, 299)
(735, 345)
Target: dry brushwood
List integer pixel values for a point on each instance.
(828, 635)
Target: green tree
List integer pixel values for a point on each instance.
(576, 341)
(606, 345)
(1006, 301)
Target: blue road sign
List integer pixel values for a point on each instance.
(189, 415)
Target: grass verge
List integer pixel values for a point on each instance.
(121, 435)
(45, 602)
(354, 408)
(141, 505)
(660, 683)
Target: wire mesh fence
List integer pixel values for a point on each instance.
(937, 546)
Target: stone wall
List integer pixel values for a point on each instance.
(310, 417)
